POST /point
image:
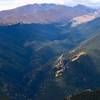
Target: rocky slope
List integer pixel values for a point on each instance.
(82, 19)
(92, 47)
(85, 18)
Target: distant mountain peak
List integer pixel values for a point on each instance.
(84, 7)
(81, 6)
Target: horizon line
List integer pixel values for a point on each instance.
(93, 7)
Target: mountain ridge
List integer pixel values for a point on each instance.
(50, 13)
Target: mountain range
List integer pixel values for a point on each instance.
(32, 37)
(42, 13)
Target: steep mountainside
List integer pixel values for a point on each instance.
(80, 74)
(27, 52)
(50, 13)
(91, 47)
(86, 95)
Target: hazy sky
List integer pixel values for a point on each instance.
(9, 4)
